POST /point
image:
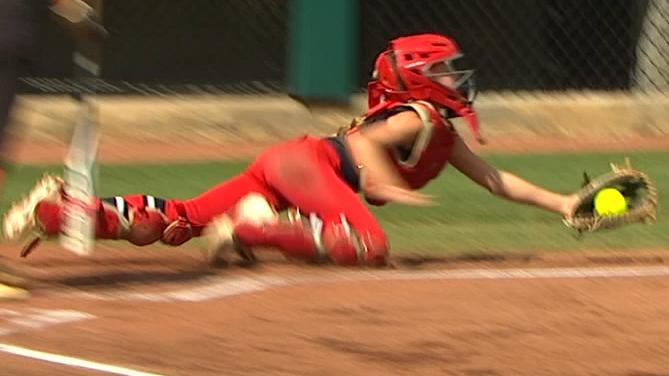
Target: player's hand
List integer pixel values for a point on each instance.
(390, 193)
(80, 20)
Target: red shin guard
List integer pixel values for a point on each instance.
(50, 216)
(336, 242)
(293, 239)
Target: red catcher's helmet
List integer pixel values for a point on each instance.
(425, 67)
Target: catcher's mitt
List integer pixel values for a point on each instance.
(640, 193)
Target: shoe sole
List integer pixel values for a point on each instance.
(221, 241)
(8, 292)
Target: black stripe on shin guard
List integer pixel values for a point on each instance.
(154, 203)
(119, 204)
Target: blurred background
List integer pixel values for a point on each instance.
(325, 49)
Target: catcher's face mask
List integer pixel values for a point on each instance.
(454, 74)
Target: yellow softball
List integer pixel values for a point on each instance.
(609, 201)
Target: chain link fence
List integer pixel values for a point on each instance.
(178, 46)
(652, 68)
(240, 46)
(522, 44)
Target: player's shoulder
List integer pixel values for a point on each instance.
(421, 111)
(405, 121)
(423, 108)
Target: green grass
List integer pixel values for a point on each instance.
(467, 220)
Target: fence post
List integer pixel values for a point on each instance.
(322, 49)
(652, 67)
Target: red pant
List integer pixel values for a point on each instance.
(301, 173)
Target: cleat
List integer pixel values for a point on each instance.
(20, 219)
(221, 243)
(8, 292)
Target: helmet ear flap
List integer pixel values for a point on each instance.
(386, 70)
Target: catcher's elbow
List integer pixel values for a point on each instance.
(494, 184)
(497, 190)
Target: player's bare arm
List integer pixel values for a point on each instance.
(370, 148)
(74, 11)
(505, 184)
(79, 19)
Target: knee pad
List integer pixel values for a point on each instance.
(345, 246)
(253, 209)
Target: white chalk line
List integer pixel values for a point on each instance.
(71, 361)
(225, 286)
(34, 319)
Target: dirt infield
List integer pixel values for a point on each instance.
(161, 311)
(157, 310)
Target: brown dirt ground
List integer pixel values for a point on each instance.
(333, 326)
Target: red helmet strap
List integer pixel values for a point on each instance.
(393, 63)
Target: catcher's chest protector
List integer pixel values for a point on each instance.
(431, 149)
